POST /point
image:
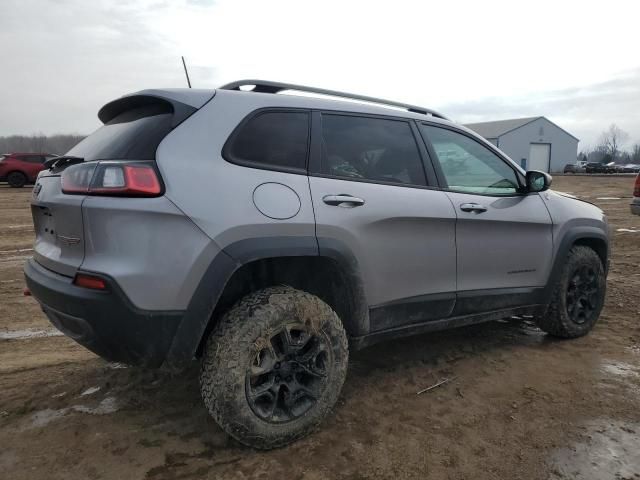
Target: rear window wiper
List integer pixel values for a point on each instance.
(61, 161)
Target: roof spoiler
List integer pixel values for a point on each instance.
(182, 104)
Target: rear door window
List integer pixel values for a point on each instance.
(132, 135)
(370, 149)
(275, 140)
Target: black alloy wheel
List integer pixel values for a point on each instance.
(582, 294)
(288, 375)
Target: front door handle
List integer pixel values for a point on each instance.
(473, 207)
(343, 200)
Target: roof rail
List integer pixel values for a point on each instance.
(267, 86)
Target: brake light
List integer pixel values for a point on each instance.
(636, 188)
(89, 281)
(128, 179)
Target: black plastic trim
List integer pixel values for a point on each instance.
(359, 323)
(412, 310)
(105, 322)
(199, 311)
(363, 341)
(568, 240)
(477, 301)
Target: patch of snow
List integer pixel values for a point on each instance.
(90, 391)
(29, 333)
(629, 230)
(117, 365)
(106, 406)
(608, 198)
(44, 417)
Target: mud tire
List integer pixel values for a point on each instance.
(557, 320)
(231, 348)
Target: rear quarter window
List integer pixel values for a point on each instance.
(273, 140)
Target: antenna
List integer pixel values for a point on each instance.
(186, 72)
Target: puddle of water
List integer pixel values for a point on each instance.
(29, 333)
(621, 369)
(609, 451)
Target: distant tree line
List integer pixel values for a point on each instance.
(56, 144)
(610, 148)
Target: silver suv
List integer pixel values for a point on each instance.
(267, 235)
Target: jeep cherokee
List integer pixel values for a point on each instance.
(267, 235)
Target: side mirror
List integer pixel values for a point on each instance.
(538, 181)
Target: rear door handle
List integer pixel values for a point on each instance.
(473, 207)
(342, 200)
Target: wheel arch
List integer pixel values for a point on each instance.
(330, 272)
(592, 237)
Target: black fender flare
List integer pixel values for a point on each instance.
(570, 238)
(196, 319)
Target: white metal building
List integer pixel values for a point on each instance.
(536, 143)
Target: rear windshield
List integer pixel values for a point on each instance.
(132, 135)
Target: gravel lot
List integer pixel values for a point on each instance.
(522, 406)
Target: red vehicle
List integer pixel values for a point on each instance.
(18, 169)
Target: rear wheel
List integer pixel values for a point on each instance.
(16, 179)
(274, 366)
(578, 297)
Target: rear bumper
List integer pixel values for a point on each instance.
(105, 322)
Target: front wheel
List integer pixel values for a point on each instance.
(578, 297)
(274, 366)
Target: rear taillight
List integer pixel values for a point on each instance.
(128, 179)
(636, 188)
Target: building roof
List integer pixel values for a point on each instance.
(499, 127)
(491, 130)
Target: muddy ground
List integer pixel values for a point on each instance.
(521, 406)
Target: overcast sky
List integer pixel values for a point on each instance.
(578, 63)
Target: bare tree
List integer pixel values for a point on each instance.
(612, 139)
(39, 143)
(635, 153)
